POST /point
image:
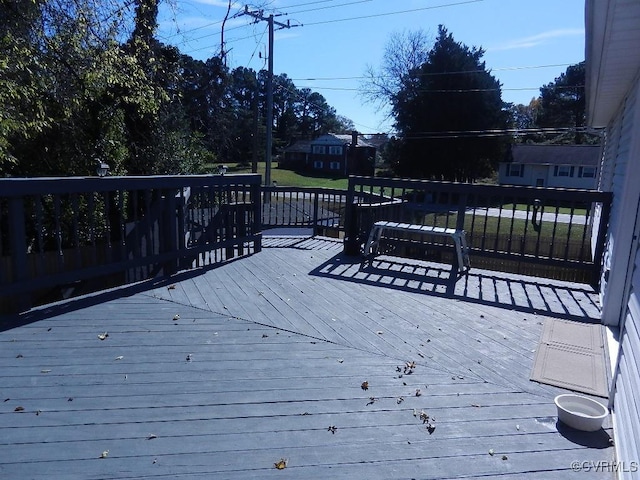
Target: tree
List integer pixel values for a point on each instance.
(448, 112)
(404, 52)
(563, 103)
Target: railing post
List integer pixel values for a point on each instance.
(18, 246)
(316, 209)
(351, 242)
(601, 239)
(169, 233)
(256, 226)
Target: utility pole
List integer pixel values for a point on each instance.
(259, 16)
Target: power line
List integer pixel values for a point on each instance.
(362, 17)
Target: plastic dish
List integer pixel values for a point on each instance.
(581, 413)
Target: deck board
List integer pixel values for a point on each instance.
(269, 352)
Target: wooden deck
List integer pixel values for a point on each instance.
(267, 362)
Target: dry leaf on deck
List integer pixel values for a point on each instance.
(281, 464)
(18, 409)
(171, 287)
(104, 454)
(365, 386)
(102, 336)
(176, 317)
(332, 429)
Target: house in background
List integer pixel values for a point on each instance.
(565, 166)
(296, 156)
(333, 154)
(613, 103)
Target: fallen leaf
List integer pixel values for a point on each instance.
(19, 356)
(171, 287)
(517, 427)
(504, 457)
(491, 452)
(45, 370)
(475, 405)
(365, 386)
(431, 428)
(379, 332)
(372, 400)
(70, 399)
(340, 360)
(102, 336)
(104, 454)
(38, 412)
(399, 400)
(151, 436)
(7, 399)
(332, 429)
(418, 392)
(176, 317)
(18, 409)
(119, 357)
(189, 358)
(424, 416)
(281, 464)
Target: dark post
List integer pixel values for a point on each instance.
(256, 227)
(169, 232)
(18, 245)
(351, 242)
(601, 238)
(316, 208)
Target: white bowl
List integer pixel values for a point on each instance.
(581, 413)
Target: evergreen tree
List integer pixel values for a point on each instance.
(447, 113)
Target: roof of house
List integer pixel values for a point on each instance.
(300, 146)
(556, 154)
(340, 139)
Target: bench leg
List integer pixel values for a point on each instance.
(465, 251)
(373, 243)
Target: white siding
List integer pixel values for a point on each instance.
(617, 166)
(621, 297)
(605, 179)
(627, 393)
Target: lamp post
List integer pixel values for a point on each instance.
(102, 169)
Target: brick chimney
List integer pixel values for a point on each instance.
(354, 138)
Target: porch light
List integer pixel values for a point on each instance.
(102, 169)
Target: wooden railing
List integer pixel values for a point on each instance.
(538, 231)
(67, 236)
(64, 236)
(320, 209)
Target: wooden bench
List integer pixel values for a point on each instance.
(458, 236)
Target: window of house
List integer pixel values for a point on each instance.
(334, 165)
(335, 150)
(587, 172)
(320, 149)
(563, 171)
(318, 164)
(515, 170)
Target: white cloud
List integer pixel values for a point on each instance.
(539, 39)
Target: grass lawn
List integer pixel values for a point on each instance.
(289, 178)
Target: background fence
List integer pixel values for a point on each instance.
(64, 236)
(546, 232)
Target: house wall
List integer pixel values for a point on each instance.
(620, 286)
(546, 173)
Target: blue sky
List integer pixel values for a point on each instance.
(528, 43)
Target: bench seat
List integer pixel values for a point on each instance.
(458, 237)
